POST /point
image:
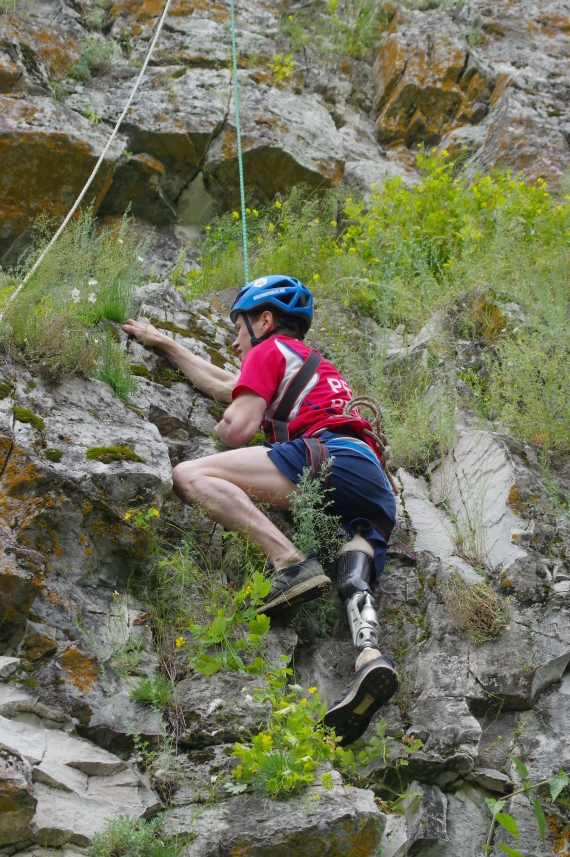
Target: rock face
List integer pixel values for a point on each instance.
(77, 787)
(490, 77)
(337, 822)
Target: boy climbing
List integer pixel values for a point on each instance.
(300, 400)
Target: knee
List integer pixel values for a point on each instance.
(184, 477)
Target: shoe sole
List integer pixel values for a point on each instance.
(305, 591)
(351, 717)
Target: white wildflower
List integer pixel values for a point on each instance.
(75, 295)
(121, 241)
(93, 282)
(92, 298)
(140, 258)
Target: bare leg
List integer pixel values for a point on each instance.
(224, 483)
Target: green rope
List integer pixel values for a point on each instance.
(238, 134)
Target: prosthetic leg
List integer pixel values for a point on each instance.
(375, 680)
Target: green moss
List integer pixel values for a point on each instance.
(53, 454)
(136, 411)
(5, 389)
(141, 371)
(108, 454)
(23, 415)
(165, 375)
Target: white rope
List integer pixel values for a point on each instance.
(77, 203)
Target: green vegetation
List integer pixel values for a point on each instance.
(131, 837)
(554, 785)
(114, 368)
(157, 691)
(54, 325)
(345, 28)
(282, 67)
(23, 415)
(487, 256)
(5, 389)
(98, 56)
(53, 454)
(314, 528)
(109, 454)
(475, 608)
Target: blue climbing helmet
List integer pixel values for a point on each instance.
(288, 295)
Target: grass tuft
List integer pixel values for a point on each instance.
(114, 369)
(475, 609)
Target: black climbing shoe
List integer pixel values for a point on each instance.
(296, 584)
(371, 687)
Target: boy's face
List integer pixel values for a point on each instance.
(242, 343)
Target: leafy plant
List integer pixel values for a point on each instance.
(91, 115)
(282, 67)
(507, 821)
(283, 758)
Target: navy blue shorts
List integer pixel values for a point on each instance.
(357, 486)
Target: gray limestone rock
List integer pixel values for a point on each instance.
(219, 709)
(425, 812)
(78, 786)
(338, 822)
(80, 526)
(17, 798)
(286, 138)
(48, 137)
(8, 666)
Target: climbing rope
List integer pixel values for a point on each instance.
(77, 203)
(239, 154)
(377, 436)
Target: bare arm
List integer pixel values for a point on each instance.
(241, 420)
(209, 379)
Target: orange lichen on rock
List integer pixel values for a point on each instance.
(79, 669)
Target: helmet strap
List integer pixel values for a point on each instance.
(255, 340)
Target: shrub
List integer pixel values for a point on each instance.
(98, 56)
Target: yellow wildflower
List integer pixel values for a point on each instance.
(127, 515)
(333, 223)
(316, 276)
(208, 228)
(248, 590)
(179, 642)
(235, 214)
(313, 689)
(277, 204)
(304, 702)
(255, 212)
(271, 227)
(266, 741)
(154, 512)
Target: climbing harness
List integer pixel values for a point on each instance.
(238, 135)
(278, 424)
(77, 202)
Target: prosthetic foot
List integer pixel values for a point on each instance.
(375, 680)
(296, 584)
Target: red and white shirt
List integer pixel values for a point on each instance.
(269, 368)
